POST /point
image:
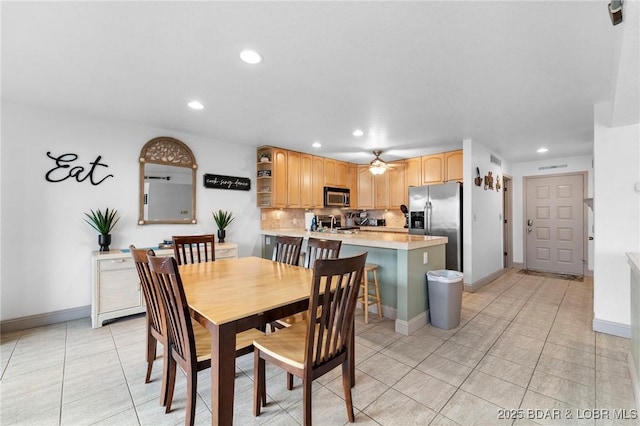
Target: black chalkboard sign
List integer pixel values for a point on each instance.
(227, 182)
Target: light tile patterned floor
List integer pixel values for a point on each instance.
(524, 348)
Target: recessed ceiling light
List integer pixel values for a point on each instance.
(250, 56)
(358, 133)
(316, 145)
(195, 105)
(541, 150)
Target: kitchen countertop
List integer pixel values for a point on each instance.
(384, 229)
(390, 240)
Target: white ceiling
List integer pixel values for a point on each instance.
(513, 76)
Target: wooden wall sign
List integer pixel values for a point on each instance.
(227, 182)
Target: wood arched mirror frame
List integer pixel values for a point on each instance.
(167, 183)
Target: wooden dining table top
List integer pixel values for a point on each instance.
(229, 290)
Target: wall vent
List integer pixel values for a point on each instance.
(557, 166)
(495, 160)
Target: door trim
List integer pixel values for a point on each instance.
(585, 218)
(507, 214)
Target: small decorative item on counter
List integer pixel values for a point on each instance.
(264, 157)
(478, 179)
(498, 183)
(103, 222)
(222, 219)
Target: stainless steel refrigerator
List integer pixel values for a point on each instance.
(437, 210)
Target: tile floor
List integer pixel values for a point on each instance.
(524, 348)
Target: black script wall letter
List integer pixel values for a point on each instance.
(63, 170)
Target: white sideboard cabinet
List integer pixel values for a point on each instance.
(116, 288)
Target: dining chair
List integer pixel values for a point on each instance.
(194, 248)
(313, 348)
(318, 248)
(156, 331)
(189, 342)
(287, 250)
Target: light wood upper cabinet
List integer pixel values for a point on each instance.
(414, 172)
(365, 191)
(317, 182)
(381, 185)
(293, 179)
(398, 191)
(352, 184)
(432, 169)
(335, 173)
(306, 181)
(453, 166)
(280, 186)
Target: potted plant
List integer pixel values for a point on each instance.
(222, 219)
(103, 222)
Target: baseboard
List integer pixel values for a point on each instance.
(517, 265)
(635, 378)
(40, 320)
(471, 288)
(414, 324)
(613, 328)
(588, 273)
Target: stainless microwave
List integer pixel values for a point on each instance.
(336, 197)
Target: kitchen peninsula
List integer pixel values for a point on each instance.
(403, 261)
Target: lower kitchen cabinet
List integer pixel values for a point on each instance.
(116, 288)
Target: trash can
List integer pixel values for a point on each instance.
(445, 297)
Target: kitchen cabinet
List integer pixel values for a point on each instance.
(398, 188)
(432, 169)
(414, 171)
(264, 177)
(453, 166)
(116, 291)
(352, 184)
(280, 187)
(294, 178)
(366, 191)
(335, 173)
(317, 182)
(306, 181)
(381, 185)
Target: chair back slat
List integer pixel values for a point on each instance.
(321, 249)
(194, 248)
(151, 293)
(287, 250)
(180, 330)
(332, 303)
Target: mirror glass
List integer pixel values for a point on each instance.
(167, 183)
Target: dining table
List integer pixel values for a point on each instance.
(234, 295)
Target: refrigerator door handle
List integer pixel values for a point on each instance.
(427, 217)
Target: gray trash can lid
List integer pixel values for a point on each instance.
(445, 276)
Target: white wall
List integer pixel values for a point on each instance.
(482, 217)
(532, 168)
(46, 246)
(617, 217)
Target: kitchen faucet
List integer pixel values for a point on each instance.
(333, 221)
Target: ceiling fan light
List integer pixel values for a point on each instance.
(377, 167)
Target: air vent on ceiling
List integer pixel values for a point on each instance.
(495, 160)
(557, 166)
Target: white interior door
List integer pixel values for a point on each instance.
(554, 224)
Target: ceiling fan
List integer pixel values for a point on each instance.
(378, 166)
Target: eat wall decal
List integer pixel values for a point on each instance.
(63, 169)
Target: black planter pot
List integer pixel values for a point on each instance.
(104, 241)
(221, 235)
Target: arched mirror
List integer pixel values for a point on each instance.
(167, 182)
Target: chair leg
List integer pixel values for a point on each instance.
(346, 385)
(259, 391)
(151, 354)
(306, 400)
(165, 374)
(192, 389)
(365, 297)
(171, 381)
(289, 381)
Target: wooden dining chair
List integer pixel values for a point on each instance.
(194, 248)
(312, 348)
(156, 330)
(189, 342)
(318, 248)
(287, 250)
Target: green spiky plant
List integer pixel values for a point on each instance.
(223, 219)
(103, 222)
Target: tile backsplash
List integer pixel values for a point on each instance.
(294, 218)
